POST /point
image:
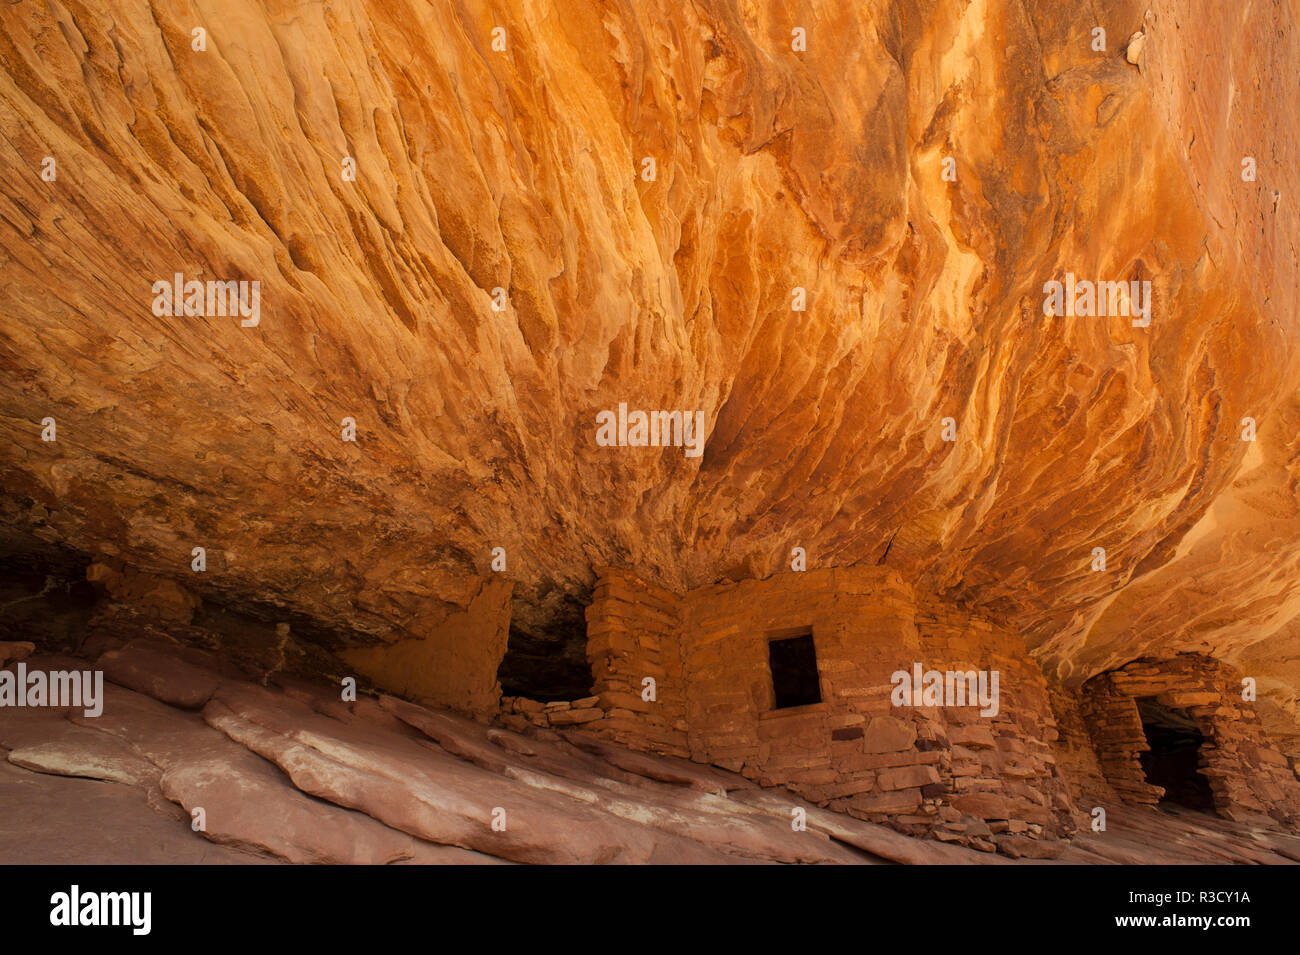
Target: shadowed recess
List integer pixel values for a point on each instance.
(1174, 758)
(549, 662)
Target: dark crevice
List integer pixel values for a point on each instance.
(44, 596)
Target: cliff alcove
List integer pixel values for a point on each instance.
(545, 366)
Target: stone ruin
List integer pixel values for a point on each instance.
(694, 675)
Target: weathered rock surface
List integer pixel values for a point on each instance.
(160, 674)
(820, 169)
(56, 820)
(244, 799)
(278, 779)
(15, 650)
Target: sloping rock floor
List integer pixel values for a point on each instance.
(288, 773)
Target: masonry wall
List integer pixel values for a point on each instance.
(1076, 758)
(517, 711)
(1247, 774)
(1009, 781)
(946, 770)
(1001, 770)
(455, 665)
(634, 635)
(729, 709)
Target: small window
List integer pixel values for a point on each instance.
(794, 671)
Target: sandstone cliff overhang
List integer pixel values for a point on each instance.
(781, 176)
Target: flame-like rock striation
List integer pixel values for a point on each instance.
(524, 169)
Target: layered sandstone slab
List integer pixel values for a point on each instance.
(289, 773)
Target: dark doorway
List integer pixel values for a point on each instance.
(546, 653)
(794, 671)
(1173, 762)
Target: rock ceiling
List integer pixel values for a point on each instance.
(774, 169)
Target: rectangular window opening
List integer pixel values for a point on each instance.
(794, 670)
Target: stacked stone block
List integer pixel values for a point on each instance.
(633, 634)
(519, 711)
(992, 782)
(1248, 776)
(941, 770)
